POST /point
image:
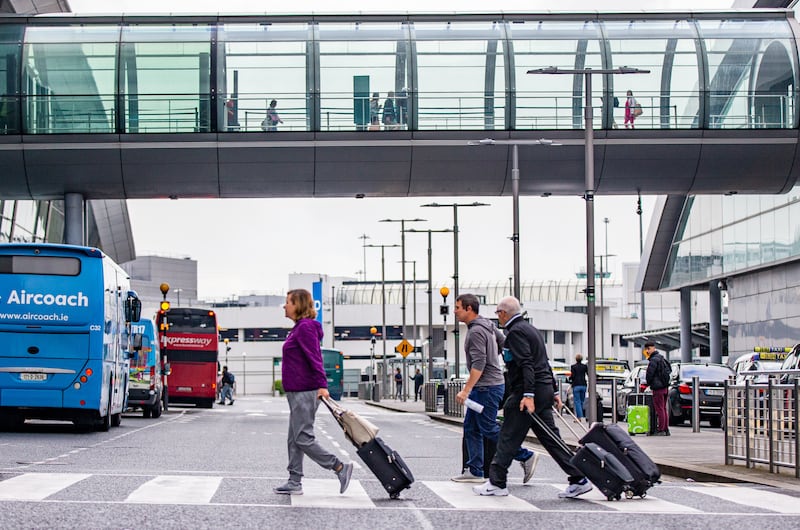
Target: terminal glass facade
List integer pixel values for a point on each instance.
(721, 236)
(195, 74)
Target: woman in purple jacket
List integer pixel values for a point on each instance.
(304, 382)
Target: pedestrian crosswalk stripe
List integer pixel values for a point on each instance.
(649, 504)
(324, 493)
(460, 495)
(37, 486)
(168, 489)
(756, 498)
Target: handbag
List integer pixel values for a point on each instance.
(637, 110)
(357, 429)
(265, 124)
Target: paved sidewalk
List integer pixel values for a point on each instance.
(689, 455)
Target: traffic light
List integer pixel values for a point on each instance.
(165, 305)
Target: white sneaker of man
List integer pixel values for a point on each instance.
(467, 476)
(574, 490)
(488, 489)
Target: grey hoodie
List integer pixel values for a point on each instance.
(482, 345)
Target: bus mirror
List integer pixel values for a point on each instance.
(167, 370)
(133, 307)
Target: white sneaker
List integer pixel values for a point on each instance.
(528, 467)
(467, 476)
(490, 489)
(574, 490)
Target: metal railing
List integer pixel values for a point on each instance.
(761, 423)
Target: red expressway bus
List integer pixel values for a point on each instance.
(189, 339)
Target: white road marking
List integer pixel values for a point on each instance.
(460, 495)
(649, 504)
(324, 493)
(37, 486)
(171, 489)
(766, 500)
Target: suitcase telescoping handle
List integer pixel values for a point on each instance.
(550, 433)
(567, 423)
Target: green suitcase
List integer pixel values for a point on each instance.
(638, 419)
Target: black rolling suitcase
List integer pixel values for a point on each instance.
(618, 443)
(602, 468)
(387, 466)
(382, 460)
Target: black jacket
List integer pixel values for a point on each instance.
(658, 370)
(529, 368)
(578, 373)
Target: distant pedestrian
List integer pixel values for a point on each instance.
(577, 380)
(632, 110)
(304, 381)
(227, 386)
(398, 384)
(531, 393)
(485, 385)
(389, 112)
(270, 123)
(658, 377)
(418, 380)
(375, 110)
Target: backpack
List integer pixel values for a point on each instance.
(664, 372)
(228, 379)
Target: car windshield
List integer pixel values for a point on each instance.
(705, 372)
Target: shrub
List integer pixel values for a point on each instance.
(278, 386)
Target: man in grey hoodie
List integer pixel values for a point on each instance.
(483, 346)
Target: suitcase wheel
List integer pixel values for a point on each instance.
(629, 494)
(395, 495)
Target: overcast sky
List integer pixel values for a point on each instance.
(264, 240)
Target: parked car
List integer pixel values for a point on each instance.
(750, 362)
(792, 362)
(633, 384)
(608, 370)
(711, 387)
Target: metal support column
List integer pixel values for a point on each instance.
(686, 325)
(73, 219)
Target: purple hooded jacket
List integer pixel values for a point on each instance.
(302, 367)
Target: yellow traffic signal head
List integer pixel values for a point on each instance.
(165, 305)
(444, 291)
(373, 330)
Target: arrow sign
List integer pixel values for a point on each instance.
(404, 348)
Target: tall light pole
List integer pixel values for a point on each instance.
(455, 207)
(589, 187)
(429, 292)
(363, 238)
(641, 252)
(602, 304)
(384, 379)
(516, 289)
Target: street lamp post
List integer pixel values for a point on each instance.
(455, 264)
(227, 349)
(363, 238)
(641, 251)
(372, 331)
(444, 309)
(588, 153)
(244, 373)
(384, 379)
(429, 292)
(516, 289)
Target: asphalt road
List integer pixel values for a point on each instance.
(195, 468)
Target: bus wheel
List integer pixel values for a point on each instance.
(116, 419)
(147, 412)
(156, 410)
(104, 424)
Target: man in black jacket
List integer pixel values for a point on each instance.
(531, 392)
(657, 376)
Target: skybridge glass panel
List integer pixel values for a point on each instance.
(461, 75)
(165, 75)
(364, 76)
(10, 57)
(752, 77)
(669, 95)
(555, 101)
(259, 63)
(69, 78)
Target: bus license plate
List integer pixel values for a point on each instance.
(33, 377)
(184, 389)
(714, 392)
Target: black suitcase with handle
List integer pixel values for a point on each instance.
(387, 466)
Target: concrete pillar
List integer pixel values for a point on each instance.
(715, 321)
(73, 219)
(570, 355)
(686, 325)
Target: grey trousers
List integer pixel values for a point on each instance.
(302, 409)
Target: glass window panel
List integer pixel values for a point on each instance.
(264, 70)
(644, 44)
(453, 74)
(548, 101)
(72, 34)
(767, 237)
(364, 84)
(729, 248)
(166, 83)
(793, 233)
(9, 88)
(263, 32)
(740, 241)
(752, 73)
(358, 31)
(716, 253)
(24, 221)
(753, 227)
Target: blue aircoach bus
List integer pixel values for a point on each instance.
(65, 313)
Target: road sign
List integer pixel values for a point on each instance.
(404, 348)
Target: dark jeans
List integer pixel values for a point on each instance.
(515, 427)
(660, 404)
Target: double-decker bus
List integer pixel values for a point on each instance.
(65, 313)
(189, 339)
(333, 361)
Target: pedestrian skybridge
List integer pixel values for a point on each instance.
(386, 105)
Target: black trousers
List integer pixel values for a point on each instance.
(515, 427)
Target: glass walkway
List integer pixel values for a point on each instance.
(381, 73)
